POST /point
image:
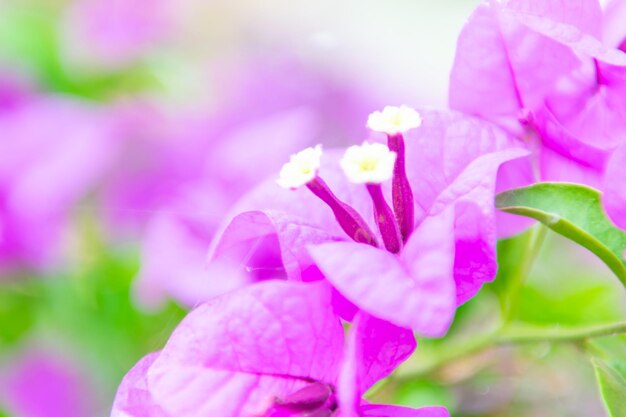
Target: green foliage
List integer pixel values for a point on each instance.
(574, 211)
(92, 310)
(421, 393)
(17, 312)
(612, 385)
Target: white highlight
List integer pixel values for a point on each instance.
(370, 163)
(393, 120)
(301, 168)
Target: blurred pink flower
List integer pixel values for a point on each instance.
(554, 75)
(53, 151)
(451, 163)
(273, 349)
(44, 385)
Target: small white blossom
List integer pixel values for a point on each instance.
(370, 163)
(301, 168)
(393, 120)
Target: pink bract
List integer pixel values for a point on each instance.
(271, 349)
(555, 76)
(54, 150)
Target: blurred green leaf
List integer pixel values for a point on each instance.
(17, 311)
(422, 393)
(612, 387)
(576, 302)
(94, 309)
(574, 211)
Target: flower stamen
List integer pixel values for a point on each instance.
(394, 121)
(302, 169)
(371, 164)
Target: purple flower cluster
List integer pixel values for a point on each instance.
(385, 238)
(392, 235)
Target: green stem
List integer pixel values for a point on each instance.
(510, 337)
(531, 251)
(562, 335)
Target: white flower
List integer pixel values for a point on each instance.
(370, 163)
(393, 120)
(301, 168)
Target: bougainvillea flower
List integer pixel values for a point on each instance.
(411, 277)
(53, 151)
(274, 349)
(554, 75)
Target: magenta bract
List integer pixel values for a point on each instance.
(271, 349)
(553, 75)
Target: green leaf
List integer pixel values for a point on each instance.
(17, 311)
(574, 211)
(612, 388)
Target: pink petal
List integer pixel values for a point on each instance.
(254, 231)
(214, 362)
(133, 398)
(614, 187)
(452, 161)
(583, 120)
(575, 25)
(556, 167)
(397, 411)
(584, 15)
(502, 66)
(414, 291)
(513, 174)
(374, 349)
(613, 28)
(174, 265)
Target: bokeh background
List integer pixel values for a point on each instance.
(128, 129)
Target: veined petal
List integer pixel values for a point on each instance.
(133, 398)
(576, 25)
(374, 349)
(415, 291)
(269, 231)
(615, 187)
(242, 349)
(452, 161)
(502, 66)
(613, 29)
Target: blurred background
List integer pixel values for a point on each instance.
(128, 129)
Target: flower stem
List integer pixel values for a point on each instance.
(561, 335)
(516, 281)
(510, 336)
